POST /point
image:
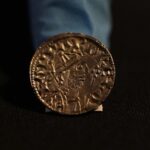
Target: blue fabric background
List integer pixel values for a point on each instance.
(50, 17)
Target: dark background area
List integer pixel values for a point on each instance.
(125, 122)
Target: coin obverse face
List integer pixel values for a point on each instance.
(72, 73)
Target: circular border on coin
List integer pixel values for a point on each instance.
(72, 73)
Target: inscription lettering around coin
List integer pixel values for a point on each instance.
(73, 74)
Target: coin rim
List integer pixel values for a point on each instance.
(57, 37)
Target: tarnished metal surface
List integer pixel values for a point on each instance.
(72, 73)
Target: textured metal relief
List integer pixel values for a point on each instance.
(72, 73)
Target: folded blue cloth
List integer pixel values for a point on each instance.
(50, 17)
